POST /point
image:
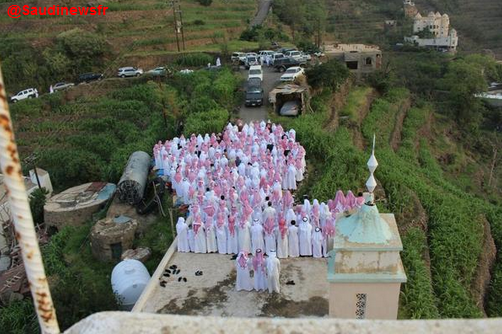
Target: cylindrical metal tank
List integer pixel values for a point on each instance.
(132, 184)
(129, 279)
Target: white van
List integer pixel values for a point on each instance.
(255, 71)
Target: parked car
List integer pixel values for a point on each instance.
(129, 72)
(264, 53)
(254, 96)
(284, 50)
(24, 94)
(62, 86)
(250, 61)
(157, 72)
(281, 65)
(290, 108)
(238, 56)
(292, 73)
(255, 72)
(254, 82)
(276, 56)
(88, 77)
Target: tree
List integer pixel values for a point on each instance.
(328, 75)
(84, 48)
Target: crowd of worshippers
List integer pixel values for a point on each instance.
(238, 187)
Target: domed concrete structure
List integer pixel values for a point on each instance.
(111, 236)
(76, 205)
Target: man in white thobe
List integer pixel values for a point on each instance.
(305, 236)
(257, 241)
(293, 240)
(317, 242)
(268, 213)
(273, 273)
(243, 279)
(182, 233)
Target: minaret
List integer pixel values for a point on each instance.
(365, 271)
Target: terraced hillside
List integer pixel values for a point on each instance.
(361, 21)
(137, 28)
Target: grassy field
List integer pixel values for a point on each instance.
(141, 28)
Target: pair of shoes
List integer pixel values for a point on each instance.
(182, 278)
(198, 273)
(290, 282)
(163, 284)
(174, 267)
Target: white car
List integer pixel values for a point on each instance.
(24, 94)
(250, 61)
(255, 72)
(292, 73)
(130, 72)
(62, 86)
(264, 53)
(238, 56)
(276, 56)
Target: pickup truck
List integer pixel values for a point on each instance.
(281, 65)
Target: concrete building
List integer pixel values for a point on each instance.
(361, 59)
(448, 43)
(111, 236)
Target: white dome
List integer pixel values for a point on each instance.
(129, 279)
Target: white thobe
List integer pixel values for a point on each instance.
(270, 244)
(200, 241)
(282, 245)
(211, 239)
(182, 235)
(273, 273)
(257, 238)
(291, 178)
(191, 240)
(243, 281)
(305, 236)
(260, 279)
(293, 241)
(244, 238)
(317, 242)
(269, 212)
(221, 236)
(233, 243)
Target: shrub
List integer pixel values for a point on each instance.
(206, 122)
(37, 202)
(194, 59)
(199, 22)
(328, 75)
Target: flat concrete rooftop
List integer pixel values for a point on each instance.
(214, 292)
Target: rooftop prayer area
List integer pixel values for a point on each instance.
(246, 247)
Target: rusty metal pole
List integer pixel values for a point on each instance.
(23, 221)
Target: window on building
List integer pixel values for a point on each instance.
(352, 65)
(369, 61)
(360, 305)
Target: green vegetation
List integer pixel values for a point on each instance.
(37, 202)
(331, 75)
